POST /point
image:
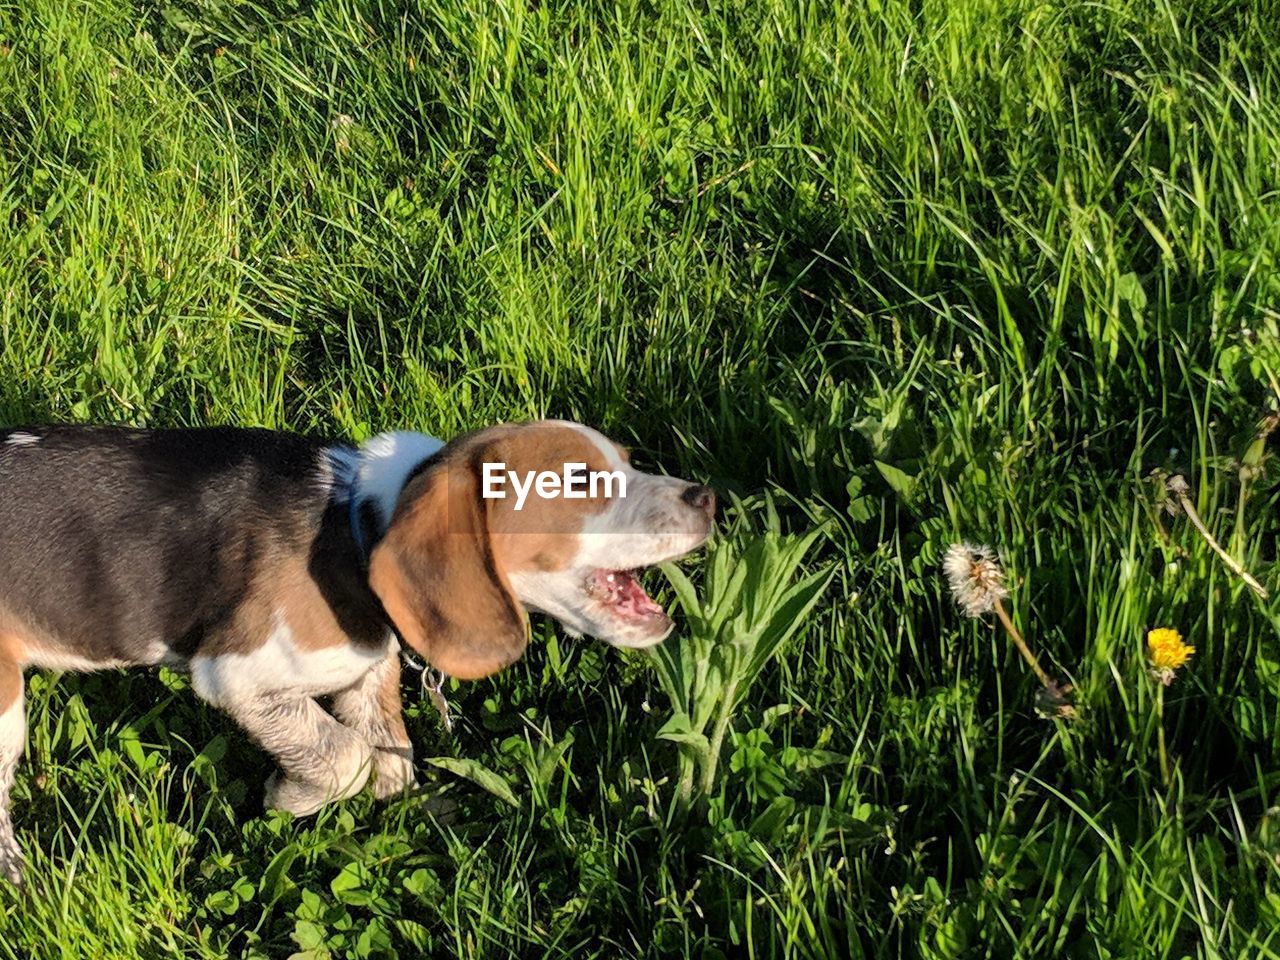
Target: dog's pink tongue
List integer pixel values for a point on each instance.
(634, 596)
(621, 590)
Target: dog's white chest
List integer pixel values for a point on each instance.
(280, 665)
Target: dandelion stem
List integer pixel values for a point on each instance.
(1021, 644)
(1232, 563)
(1165, 774)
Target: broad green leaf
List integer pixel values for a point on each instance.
(272, 883)
(478, 774)
(683, 588)
(903, 483)
(550, 760)
(679, 729)
(222, 901)
(768, 826)
(813, 759)
(787, 620)
(351, 885)
(772, 714)
(308, 935)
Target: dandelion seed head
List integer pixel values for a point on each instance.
(974, 575)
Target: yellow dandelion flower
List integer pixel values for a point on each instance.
(1167, 653)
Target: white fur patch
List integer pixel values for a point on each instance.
(52, 658)
(377, 472)
(602, 443)
(13, 734)
(21, 439)
(279, 664)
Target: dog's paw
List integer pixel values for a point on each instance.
(393, 773)
(292, 796)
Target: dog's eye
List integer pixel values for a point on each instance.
(577, 475)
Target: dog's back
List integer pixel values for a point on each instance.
(124, 546)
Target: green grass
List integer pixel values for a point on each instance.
(923, 271)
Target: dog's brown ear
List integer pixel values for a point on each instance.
(439, 581)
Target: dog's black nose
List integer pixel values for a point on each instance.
(704, 498)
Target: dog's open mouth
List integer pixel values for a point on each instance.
(621, 593)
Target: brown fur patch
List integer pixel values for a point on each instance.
(544, 534)
(10, 684)
(12, 647)
(286, 590)
(438, 579)
(311, 581)
(11, 659)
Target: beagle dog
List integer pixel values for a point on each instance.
(275, 569)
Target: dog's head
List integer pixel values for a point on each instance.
(547, 516)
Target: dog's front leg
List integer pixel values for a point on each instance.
(13, 730)
(320, 759)
(372, 708)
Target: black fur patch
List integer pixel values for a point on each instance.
(114, 541)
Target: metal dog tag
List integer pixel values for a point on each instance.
(436, 693)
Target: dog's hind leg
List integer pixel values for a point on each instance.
(13, 730)
(372, 708)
